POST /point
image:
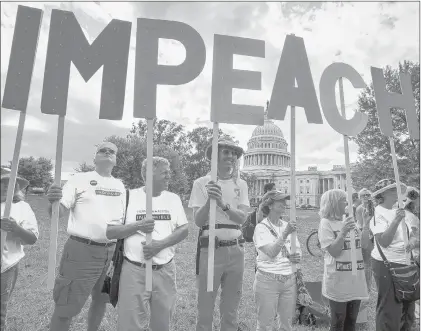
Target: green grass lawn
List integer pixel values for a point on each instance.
(31, 306)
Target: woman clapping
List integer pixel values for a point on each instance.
(275, 286)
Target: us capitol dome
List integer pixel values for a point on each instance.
(267, 159)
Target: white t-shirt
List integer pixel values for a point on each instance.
(93, 201)
(234, 194)
(414, 222)
(395, 252)
(13, 252)
(168, 213)
(280, 265)
(338, 282)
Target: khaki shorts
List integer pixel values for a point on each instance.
(82, 272)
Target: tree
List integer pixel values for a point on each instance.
(185, 151)
(36, 171)
(164, 133)
(131, 153)
(250, 179)
(374, 156)
(85, 167)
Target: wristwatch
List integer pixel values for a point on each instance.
(226, 208)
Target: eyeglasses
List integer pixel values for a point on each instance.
(106, 150)
(365, 195)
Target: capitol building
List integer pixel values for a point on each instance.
(268, 159)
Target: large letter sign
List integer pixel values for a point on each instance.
(66, 44)
(386, 100)
(330, 76)
(294, 66)
(225, 78)
(148, 74)
(22, 58)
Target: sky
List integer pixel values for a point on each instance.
(358, 33)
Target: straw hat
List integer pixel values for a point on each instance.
(222, 142)
(385, 185)
(5, 175)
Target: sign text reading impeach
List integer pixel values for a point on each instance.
(67, 43)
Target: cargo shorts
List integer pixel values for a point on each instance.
(82, 272)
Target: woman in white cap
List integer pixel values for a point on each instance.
(275, 285)
(391, 315)
(22, 229)
(343, 290)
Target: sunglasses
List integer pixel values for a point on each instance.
(226, 151)
(106, 150)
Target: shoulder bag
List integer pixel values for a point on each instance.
(112, 279)
(406, 279)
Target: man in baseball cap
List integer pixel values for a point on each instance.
(93, 199)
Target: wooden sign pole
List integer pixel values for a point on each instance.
(400, 198)
(293, 187)
(348, 182)
(149, 185)
(55, 212)
(212, 208)
(13, 175)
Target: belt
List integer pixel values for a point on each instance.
(282, 278)
(204, 242)
(91, 242)
(143, 265)
(222, 226)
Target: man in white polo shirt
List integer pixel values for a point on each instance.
(93, 198)
(139, 309)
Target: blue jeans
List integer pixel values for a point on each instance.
(8, 281)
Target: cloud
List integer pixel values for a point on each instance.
(31, 123)
(360, 34)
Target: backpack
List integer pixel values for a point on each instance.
(248, 226)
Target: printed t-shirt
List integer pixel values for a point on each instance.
(280, 265)
(338, 282)
(168, 213)
(13, 252)
(93, 201)
(234, 194)
(395, 252)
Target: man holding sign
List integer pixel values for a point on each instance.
(138, 308)
(93, 199)
(231, 195)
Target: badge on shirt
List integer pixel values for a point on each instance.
(93, 182)
(237, 193)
